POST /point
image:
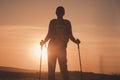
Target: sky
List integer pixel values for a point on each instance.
(24, 23)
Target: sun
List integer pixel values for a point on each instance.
(38, 52)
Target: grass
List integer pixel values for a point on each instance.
(5, 75)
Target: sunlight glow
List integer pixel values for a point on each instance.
(38, 52)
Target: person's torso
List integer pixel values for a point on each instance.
(59, 37)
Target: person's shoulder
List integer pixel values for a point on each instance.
(67, 21)
(53, 20)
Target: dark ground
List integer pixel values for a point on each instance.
(5, 75)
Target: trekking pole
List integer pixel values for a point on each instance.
(40, 63)
(80, 62)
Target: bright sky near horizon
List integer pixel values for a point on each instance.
(24, 23)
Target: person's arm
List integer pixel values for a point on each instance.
(49, 34)
(72, 38)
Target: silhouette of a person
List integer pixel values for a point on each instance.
(58, 35)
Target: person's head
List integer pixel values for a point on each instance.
(60, 11)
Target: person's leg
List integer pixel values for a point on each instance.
(62, 60)
(51, 66)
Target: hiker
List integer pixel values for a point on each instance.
(58, 35)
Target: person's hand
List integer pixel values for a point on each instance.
(42, 43)
(77, 41)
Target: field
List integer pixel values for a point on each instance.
(6, 75)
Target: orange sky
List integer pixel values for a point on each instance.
(23, 23)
